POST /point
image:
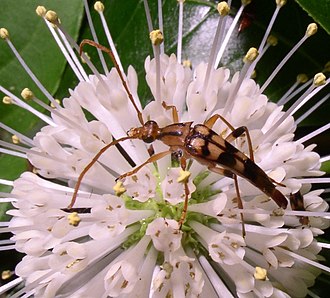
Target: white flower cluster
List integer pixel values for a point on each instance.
(60, 252)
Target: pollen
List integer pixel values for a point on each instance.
(15, 139)
(223, 8)
(311, 29)
(302, 78)
(319, 79)
(280, 3)
(119, 188)
(251, 55)
(186, 63)
(6, 274)
(272, 40)
(7, 100)
(41, 11)
(74, 219)
(52, 105)
(99, 6)
(184, 176)
(156, 37)
(260, 273)
(4, 34)
(27, 94)
(51, 16)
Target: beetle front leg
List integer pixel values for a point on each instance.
(151, 159)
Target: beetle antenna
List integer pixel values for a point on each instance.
(114, 61)
(92, 162)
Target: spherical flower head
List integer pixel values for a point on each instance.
(109, 213)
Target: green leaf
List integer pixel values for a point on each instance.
(318, 10)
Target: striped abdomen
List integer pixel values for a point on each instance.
(204, 143)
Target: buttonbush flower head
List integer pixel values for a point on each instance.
(92, 223)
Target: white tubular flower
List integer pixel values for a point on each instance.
(204, 192)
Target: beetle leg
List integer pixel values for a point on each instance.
(183, 163)
(151, 159)
(229, 174)
(175, 115)
(211, 121)
(236, 132)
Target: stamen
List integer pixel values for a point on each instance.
(156, 37)
(319, 80)
(74, 63)
(223, 10)
(325, 158)
(148, 16)
(5, 36)
(6, 287)
(22, 138)
(99, 7)
(160, 23)
(301, 79)
(229, 32)
(314, 133)
(12, 99)
(91, 26)
(219, 287)
(311, 30)
(312, 109)
(279, 5)
(27, 94)
(271, 41)
(250, 56)
(13, 153)
(52, 17)
(304, 259)
(6, 182)
(180, 31)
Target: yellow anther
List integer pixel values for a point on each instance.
(246, 2)
(4, 34)
(260, 273)
(327, 67)
(41, 11)
(119, 188)
(51, 16)
(88, 57)
(72, 263)
(223, 8)
(272, 40)
(52, 105)
(253, 74)
(15, 139)
(74, 219)
(181, 1)
(7, 100)
(27, 94)
(319, 79)
(311, 29)
(184, 176)
(6, 274)
(156, 37)
(99, 6)
(302, 78)
(186, 63)
(280, 3)
(251, 55)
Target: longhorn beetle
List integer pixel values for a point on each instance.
(197, 142)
